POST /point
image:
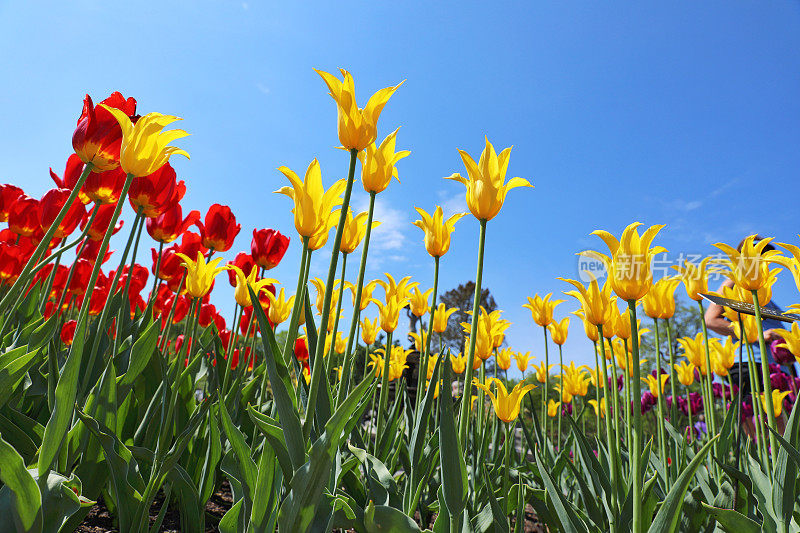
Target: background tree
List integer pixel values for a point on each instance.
(461, 298)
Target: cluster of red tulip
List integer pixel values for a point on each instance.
(155, 199)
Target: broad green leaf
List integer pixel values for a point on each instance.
(382, 518)
(20, 498)
(570, 520)
(668, 516)
(732, 521)
(14, 364)
(272, 431)
(453, 467)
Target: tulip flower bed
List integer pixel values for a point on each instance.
(121, 382)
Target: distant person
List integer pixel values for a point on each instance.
(716, 322)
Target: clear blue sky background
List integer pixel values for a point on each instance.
(683, 114)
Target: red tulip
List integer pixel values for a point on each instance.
(23, 217)
(99, 296)
(248, 358)
(50, 206)
(68, 331)
(101, 221)
(157, 193)
(245, 262)
(12, 260)
(301, 349)
(72, 173)
(169, 225)
(81, 272)
(105, 187)
(207, 313)
(8, 195)
(98, 137)
(220, 228)
(170, 266)
(59, 279)
(225, 337)
(268, 247)
(138, 278)
(90, 249)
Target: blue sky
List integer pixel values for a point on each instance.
(684, 114)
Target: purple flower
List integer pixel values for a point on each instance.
(566, 409)
(696, 402)
(774, 368)
(717, 389)
(683, 405)
(648, 401)
(781, 352)
(747, 410)
(700, 426)
(780, 381)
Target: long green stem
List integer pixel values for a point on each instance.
(546, 392)
(463, 421)
(299, 299)
(561, 366)
(384, 398)
(636, 450)
(318, 370)
(352, 339)
(712, 423)
(332, 351)
(762, 346)
(611, 440)
(423, 372)
(662, 444)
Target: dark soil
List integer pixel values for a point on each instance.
(100, 521)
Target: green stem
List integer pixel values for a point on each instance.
(636, 451)
(712, 422)
(561, 366)
(352, 339)
(332, 351)
(762, 346)
(299, 299)
(384, 398)
(463, 421)
(611, 440)
(318, 370)
(662, 443)
(423, 373)
(546, 392)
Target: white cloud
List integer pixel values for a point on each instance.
(456, 203)
(263, 89)
(388, 241)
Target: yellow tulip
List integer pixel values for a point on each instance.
(542, 309)
(685, 372)
(459, 363)
(389, 312)
(437, 385)
(441, 316)
(354, 230)
(777, 400)
(749, 268)
(541, 371)
(199, 274)
(559, 331)
(313, 205)
(437, 230)
(307, 375)
(506, 405)
(418, 301)
(339, 346)
(522, 360)
(378, 164)
(656, 385)
(624, 357)
(419, 339)
(722, 355)
(431, 366)
(369, 330)
(319, 286)
(694, 277)
(792, 264)
(563, 393)
(628, 266)
(659, 302)
(486, 191)
(791, 338)
(366, 292)
(750, 328)
(484, 343)
(242, 293)
(694, 350)
(279, 307)
(145, 145)
(338, 370)
(601, 410)
(552, 408)
(594, 301)
(497, 328)
(588, 328)
(357, 127)
(504, 359)
(576, 381)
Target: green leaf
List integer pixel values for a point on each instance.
(381, 482)
(382, 518)
(233, 520)
(278, 377)
(267, 493)
(14, 364)
(784, 476)
(499, 518)
(453, 467)
(247, 466)
(142, 350)
(310, 480)
(272, 431)
(20, 498)
(668, 516)
(732, 521)
(570, 520)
